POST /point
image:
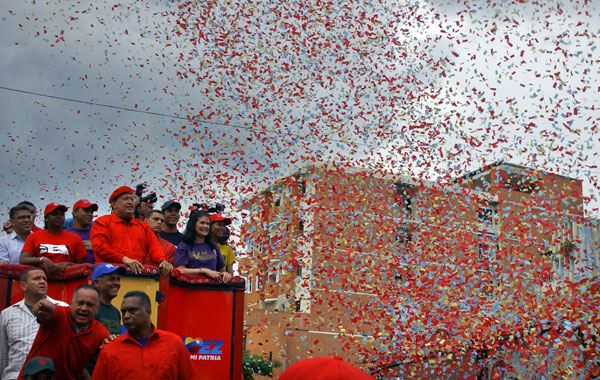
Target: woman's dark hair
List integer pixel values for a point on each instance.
(189, 235)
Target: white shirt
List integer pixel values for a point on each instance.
(18, 328)
(10, 248)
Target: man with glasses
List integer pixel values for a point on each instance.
(12, 244)
(120, 238)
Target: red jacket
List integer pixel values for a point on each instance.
(70, 350)
(113, 238)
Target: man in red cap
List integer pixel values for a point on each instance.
(120, 238)
(53, 247)
(83, 213)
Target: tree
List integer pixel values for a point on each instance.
(257, 365)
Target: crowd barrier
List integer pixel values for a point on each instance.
(208, 316)
(60, 286)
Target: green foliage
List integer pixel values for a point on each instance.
(567, 246)
(257, 365)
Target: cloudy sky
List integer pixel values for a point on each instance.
(207, 101)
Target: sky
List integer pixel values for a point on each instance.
(210, 100)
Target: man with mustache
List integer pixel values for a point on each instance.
(120, 238)
(70, 336)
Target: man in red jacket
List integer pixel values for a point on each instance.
(120, 238)
(70, 336)
(143, 352)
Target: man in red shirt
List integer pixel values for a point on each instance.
(155, 220)
(70, 336)
(54, 248)
(120, 238)
(143, 352)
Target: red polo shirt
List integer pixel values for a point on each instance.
(70, 350)
(163, 357)
(61, 247)
(114, 238)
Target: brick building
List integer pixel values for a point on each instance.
(384, 270)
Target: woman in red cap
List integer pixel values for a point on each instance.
(218, 231)
(196, 253)
(53, 248)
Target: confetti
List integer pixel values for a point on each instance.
(328, 105)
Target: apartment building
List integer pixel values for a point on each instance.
(390, 272)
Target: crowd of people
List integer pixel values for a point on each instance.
(134, 234)
(42, 338)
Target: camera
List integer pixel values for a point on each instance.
(150, 198)
(219, 207)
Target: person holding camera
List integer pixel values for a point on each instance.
(145, 202)
(120, 238)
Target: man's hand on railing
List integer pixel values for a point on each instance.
(165, 267)
(135, 266)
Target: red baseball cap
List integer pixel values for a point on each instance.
(219, 218)
(324, 369)
(53, 206)
(84, 203)
(120, 191)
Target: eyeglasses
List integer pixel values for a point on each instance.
(24, 217)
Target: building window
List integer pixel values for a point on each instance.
(302, 187)
(273, 271)
(301, 226)
(521, 182)
(487, 250)
(403, 236)
(248, 282)
(405, 195)
(487, 215)
(298, 306)
(299, 270)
